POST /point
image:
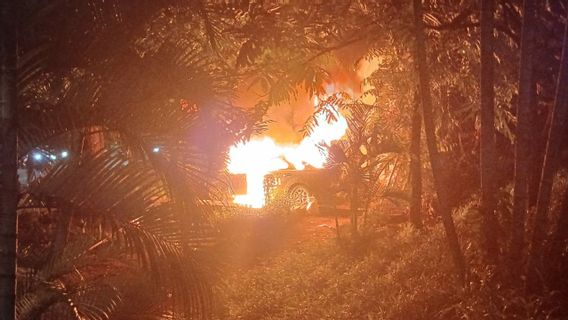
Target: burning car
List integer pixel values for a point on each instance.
(268, 164)
(311, 188)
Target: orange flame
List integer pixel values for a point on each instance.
(258, 157)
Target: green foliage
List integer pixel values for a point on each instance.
(395, 273)
(388, 276)
(117, 226)
(110, 86)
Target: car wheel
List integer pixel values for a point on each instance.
(299, 196)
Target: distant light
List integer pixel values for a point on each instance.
(37, 156)
(156, 149)
(64, 154)
(52, 157)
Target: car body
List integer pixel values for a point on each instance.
(303, 189)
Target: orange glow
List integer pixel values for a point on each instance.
(260, 156)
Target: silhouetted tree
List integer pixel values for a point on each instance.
(523, 133)
(135, 203)
(416, 166)
(487, 139)
(555, 135)
(431, 141)
(8, 158)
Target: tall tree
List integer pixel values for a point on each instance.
(523, 133)
(559, 235)
(487, 143)
(416, 166)
(8, 159)
(555, 135)
(429, 129)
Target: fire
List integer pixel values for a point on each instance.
(258, 157)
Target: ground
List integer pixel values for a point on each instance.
(257, 239)
(316, 227)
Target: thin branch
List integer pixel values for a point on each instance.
(457, 21)
(333, 48)
(475, 24)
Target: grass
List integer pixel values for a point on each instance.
(383, 276)
(393, 272)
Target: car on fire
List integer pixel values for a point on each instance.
(310, 188)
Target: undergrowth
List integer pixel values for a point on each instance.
(395, 272)
(391, 275)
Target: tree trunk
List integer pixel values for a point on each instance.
(555, 132)
(435, 160)
(416, 167)
(537, 158)
(487, 134)
(559, 236)
(354, 206)
(8, 159)
(523, 135)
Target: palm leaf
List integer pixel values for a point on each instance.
(128, 200)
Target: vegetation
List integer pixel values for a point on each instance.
(395, 273)
(116, 118)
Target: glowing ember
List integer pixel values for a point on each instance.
(258, 157)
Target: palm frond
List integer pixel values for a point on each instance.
(329, 108)
(128, 194)
(62, 286)
(129, 202)
(117, 71)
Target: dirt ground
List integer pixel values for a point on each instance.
(257, 240)
(317, 227)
